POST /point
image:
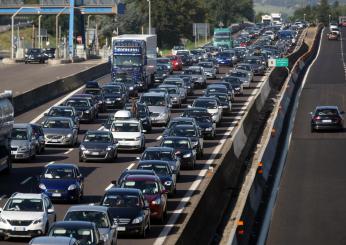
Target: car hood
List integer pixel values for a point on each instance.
(57, 184)
(128, 213)
(60, 131)
(84, 108)
(103, 231)
(151, 198)
(213, 111)
(208, 69)
(93, 145)
(17, 215)
(157, 109)
(111, 96)
(204, 124)
(19, 143)
(126, 135)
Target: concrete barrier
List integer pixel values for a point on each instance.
(268, 152)
(208, 208)
(54, 89)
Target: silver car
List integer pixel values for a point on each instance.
(180, 83)
(198, 76)
(243, 76)
(159, 105)
(24, 143)
(100, 216)
(174, 93)
(60, 131)
(209, 69)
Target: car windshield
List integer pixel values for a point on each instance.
(147, 187)
(85, 236)
(238, 74)
(163, 61)
(125, 127)
(159, 169)
(215, 89)
(179, 122)
(171, 90)
(181, 144)
(128, 60)
(174, 82)
(93, 91)
(232, 80)
(34, 51)
(206, 65)
(99, 218)
(59, 173)
(158, 155)
(24, 205)
(60, 112)
(209, 104)
(57, 124)
(19, 134)
(326, 112)
(112, 90)
(186, 132)
(98, 138)
(224, 55)
(193, 72)
(77, 103)
(203, 119)
(121, 201)
(153, 100)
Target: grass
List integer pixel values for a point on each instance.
(5, 39)
(189, 45)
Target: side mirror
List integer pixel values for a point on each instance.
(220, 107)
(138, 158)
(114, 182)
(45, 114)
(164, 191)
(50, 211)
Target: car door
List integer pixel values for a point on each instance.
(51, 216)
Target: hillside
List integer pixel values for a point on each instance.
(291, 3)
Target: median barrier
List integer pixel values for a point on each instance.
(54, 89)
(217, 191)
(268, 152)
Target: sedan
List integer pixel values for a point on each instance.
(130, 208)
(98, 145)
(209, 69)
(64, 111)
(198, 76)
(179, 121)
(327, 117)
(114, 97)
(84, 108)
(205, 123)
(163, 170)
(237, 85)
(243, 76)
(174, 93)
(213, 106)
(224, 101)
(62, 181)
(60, 131)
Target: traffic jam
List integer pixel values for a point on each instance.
(162, 116)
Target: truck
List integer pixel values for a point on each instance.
(223, 38)
(276, 19)
(135, 56)
(6, 125)
(266, 19)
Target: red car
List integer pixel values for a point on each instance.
(154, 192)
(176, 61)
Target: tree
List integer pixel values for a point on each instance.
(323, 12)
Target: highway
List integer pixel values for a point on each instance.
(99, 175)
(23, 77)
(310, 207)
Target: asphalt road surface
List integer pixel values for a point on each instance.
(23, 77)
(310, 207)
(99, 175)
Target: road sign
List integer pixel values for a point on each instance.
(283, 62)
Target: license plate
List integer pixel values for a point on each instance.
(55, 141)
(13, 152)
(94, 153)
(121, 228)
(56, 194)
(19, 228)
(326, 121)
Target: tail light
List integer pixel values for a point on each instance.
(317, 117)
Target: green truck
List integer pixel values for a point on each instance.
(223, 38)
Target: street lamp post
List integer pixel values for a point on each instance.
(39, 32)
(149, 31)
(329, 16)
(57, 41)
(304, 17)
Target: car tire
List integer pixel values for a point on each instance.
(312, 130)
(46, 228)
(81, 159)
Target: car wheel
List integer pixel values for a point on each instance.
(81, 159)
(115, 155)
(163, 217)
(46, 228)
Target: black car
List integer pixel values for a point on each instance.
(183, 149)
(99, 146)
(131, 85)
(205, 123)
(327, 117)
(92, 99)
(230, 90)
(83, 231)
(84, 108)
(257, 65)
(99, 97)
(179, 121)
(114, 96)
(191, 132)
(224, 101)
(161, 73)
(92, 84)
(236, 83)
(128, 172)
(217, 88)
(191, 111)
(49, 52)
(163, 170)
(189, 84)
(129, 207)
(34, 55)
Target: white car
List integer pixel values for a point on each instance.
(129, 134)
(26, 215)
(212, 105)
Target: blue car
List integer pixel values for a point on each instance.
(62, 181)
(224, 58)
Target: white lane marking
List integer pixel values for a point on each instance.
(2, 197)
(25, 181)
(101, 128)
(49, 163)
(342, 53)
(128, 168)
(270, 208)
(35, 120)
(186, 199)
(159, 137)
(68, 151)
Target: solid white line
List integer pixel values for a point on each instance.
(108, 187)
(159, 137)
(101, 128)
(186, 199)
(35, 120)
(25, 181)
(49, 163)
(2, 197)
(68, 151)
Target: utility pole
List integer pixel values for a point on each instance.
(33, 36)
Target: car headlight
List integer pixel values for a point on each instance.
(168, 182)
(82, 147)
(187, 155)
(3, 220)
(72, 187)
(104, 237)
(68, 136)
(157, 201)
(87, 111)
(118, 98)
(209, 129)
(109, 148)
(131, 88)
(137, 138)
(42, 186)
(38, 221)
(162, 114)
(23, 148)
(137, 220)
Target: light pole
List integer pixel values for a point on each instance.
(329, 19)
(149, 31)
(57, 41)
(304, 17)
(39, 31)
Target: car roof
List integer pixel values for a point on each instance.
(88, 208)
(184, 126)
(61, 165)
(175, 138)
(27, 195)
(80, 224)
(154, 94)
(142, 177)
(159, 148)
(153, 162)
(127, 121)
(21, 125)
(59, 118)
(97, 132)
(62, 107)
(327, 107)
(115, 190)
(182, 119)
(53, 240)
(217, 85)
